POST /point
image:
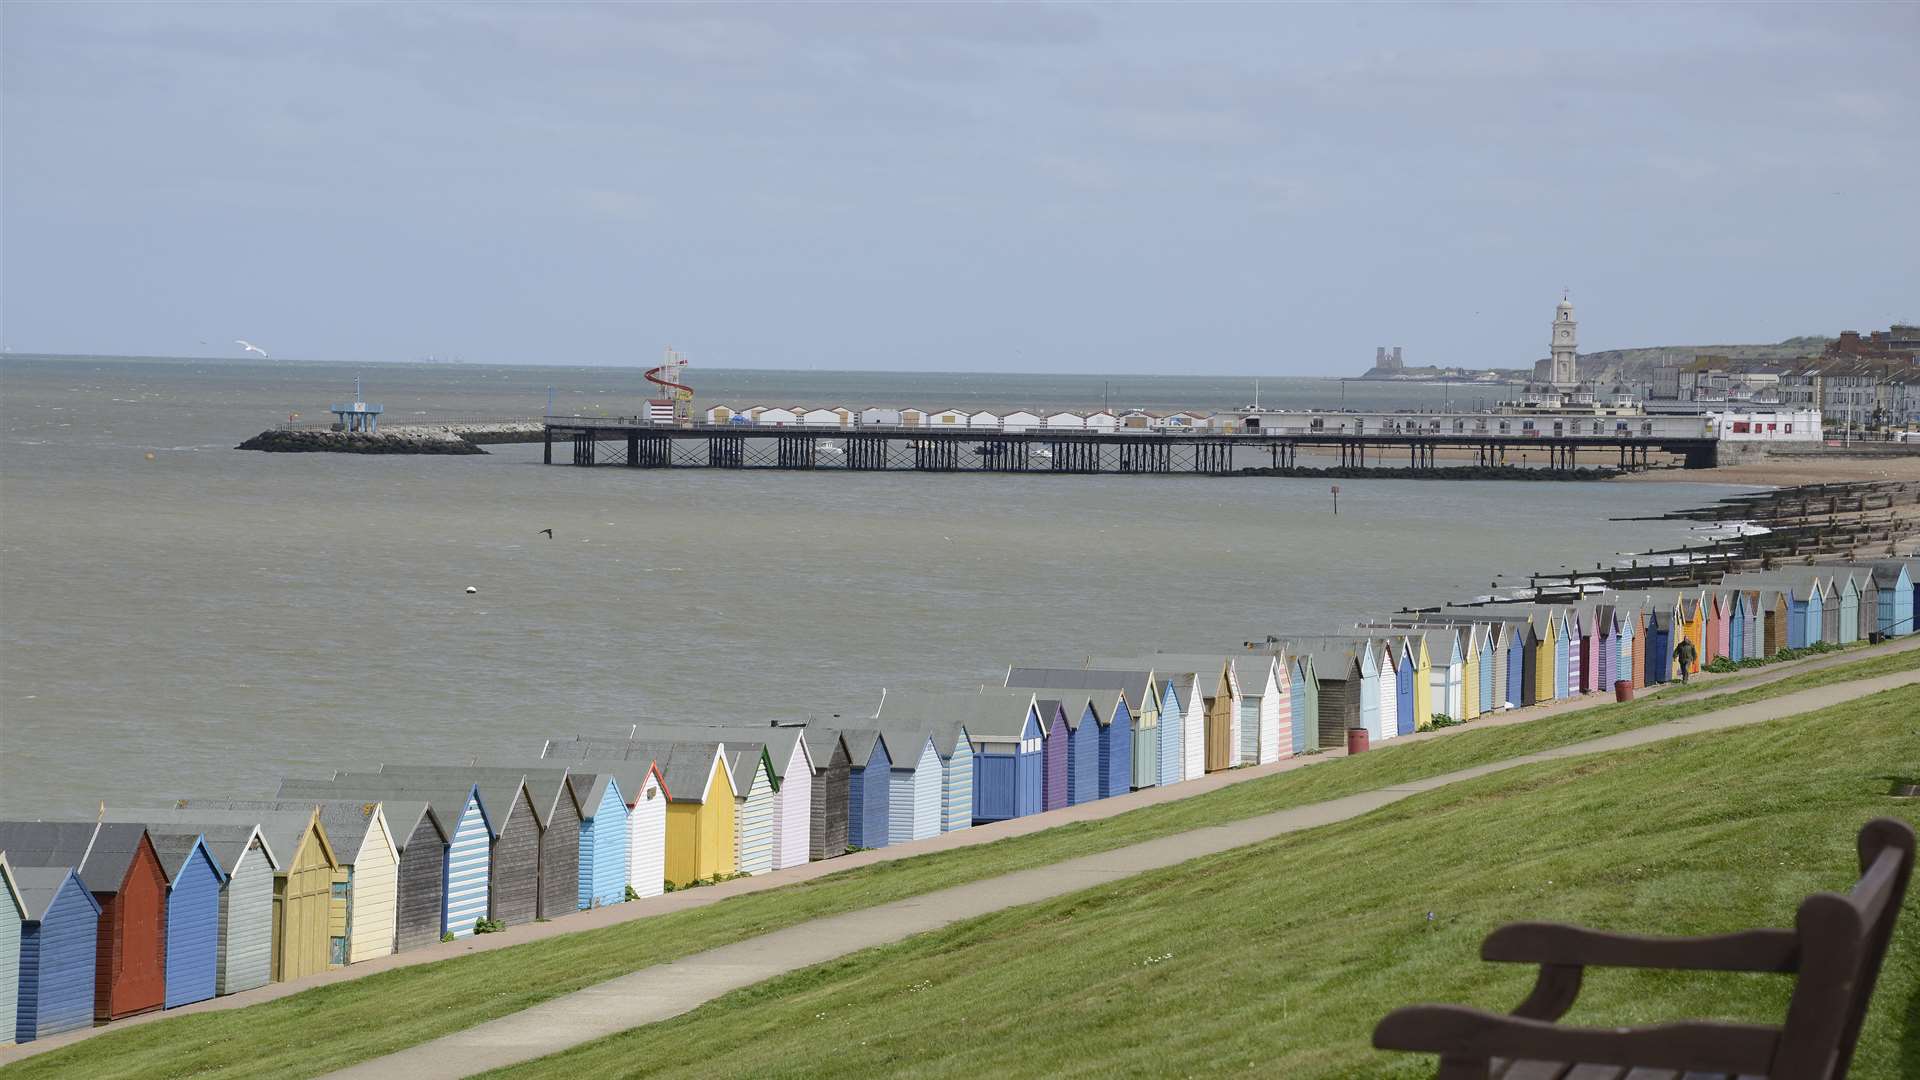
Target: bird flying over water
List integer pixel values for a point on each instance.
(549, 533)
(248, 346)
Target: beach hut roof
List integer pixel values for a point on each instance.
(36, 886)
(685, 765)
(403, 814)
(447, 796)
(860, 742)
(630, 773)
(546, 782)
(344, 819)
(1136, 685)
(47, 843)
(227, 842)
(499, 788)
(280, 831)
(176, 848)
(991, 713)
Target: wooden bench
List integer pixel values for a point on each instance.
(1835, 948)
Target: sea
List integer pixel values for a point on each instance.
(179, 618)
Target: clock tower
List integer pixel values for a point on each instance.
(1563, 373)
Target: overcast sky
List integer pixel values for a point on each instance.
(1231, 189)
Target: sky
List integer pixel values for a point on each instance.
(1230, 189)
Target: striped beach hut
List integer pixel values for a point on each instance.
(462, 814)
(1189, 687)
(1737, 620)
(753, 806)
(535, 858)
(792, 771)
(55, 962)
(117, 863)
(916, 785)
(1214, 742)
(1607, 641)
(955, 747)
(1083, 746)
(1498, 637)
(1116, 730)
(1008, 752)
(1846, 588)
(1171, 753)
(868, 775)
(827, 821)
(1375, 699)
(420, 842)
(942, 716)
(1266, 710)
(369, 861)
(1468, 642)
(13, 913)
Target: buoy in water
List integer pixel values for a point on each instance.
(471, 590)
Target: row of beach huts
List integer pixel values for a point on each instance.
(964, 419)
(156, 906)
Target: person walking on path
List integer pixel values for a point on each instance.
(1685, 654)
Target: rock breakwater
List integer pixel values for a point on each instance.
(403, 441)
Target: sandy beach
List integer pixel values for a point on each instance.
(1786, 471)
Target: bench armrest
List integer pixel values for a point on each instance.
(1460, 1034)
(1554, 943)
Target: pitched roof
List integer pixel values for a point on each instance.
(502, 792)
(226, 842)
(176, 848)
(545, 784)
(282, 832)
(630, 774)
(685, 766)
(992, 713)
(46, 843)
(38, 885)
(403, 814)
(447, 796)
(1136, 684)
(747, 747)
(348, 822)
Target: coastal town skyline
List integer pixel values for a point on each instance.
(954, 189)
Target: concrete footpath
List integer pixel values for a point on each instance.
(667, 990)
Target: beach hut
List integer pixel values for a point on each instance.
(117, 863)
(1373, 696)
(955, 747)
(1020, 420)
(416, 818)
(1565, 655)
(1302, 693)
(369, 859)
(1468, 697)
(793, 771)
(1173, 731)
(695, 780)
(912, 418)
(1846, 589)
(1116, 730)
(244, 934)
(1008, 752)
(605, 846)
(1719, 604)
(1064, 421)
(1129, 754)
(827, 417)
(868, 775)
(54, 965)
(1897, 595)
(1498, 638)
(1866, 602)
(1440, 659)
(1736, 624)
(719, 414)
(1661, 626)
(947, 418)
(1336, 670)
(1405, 694)
(827, 816)
(916, 786)
(193, 916)
(1056, 744)
(1083, 747)
(514, 828)
(879, 417)
(1193, 724)
(984, 419)
(13, 913)
(1831, 612)
(643, 788)
(1266, 733)
(1220, 700)
(1103, 421)
(754, 804)
(775, 416)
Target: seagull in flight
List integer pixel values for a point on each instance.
(549, 533)
(248, 346)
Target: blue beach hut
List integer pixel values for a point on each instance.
(57, 957)
(1114, 692)
(1116, 745)
(13, 914)
(1305, 718)
(1562, 645)
(868, 774)
(1659, 657)
(469, 851)
(1897, 597)
(1369, 658)
(194, 881)
(1519, 665)
(604, 844)
(1483, 639)
(1005, 728)
(1083, 747)
(1173, 749)
(1403, 711)
(1737, 625)
(916, 785)
(956, 762)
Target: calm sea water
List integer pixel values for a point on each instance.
(209, 621)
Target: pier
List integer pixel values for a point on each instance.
(640, 444)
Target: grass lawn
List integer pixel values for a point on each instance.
(381, 1013)
(1277, 959)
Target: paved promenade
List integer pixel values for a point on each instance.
(667, 990)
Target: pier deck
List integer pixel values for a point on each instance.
(637, 443)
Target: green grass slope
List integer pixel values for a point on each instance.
(1278, 959)
(382, 1013)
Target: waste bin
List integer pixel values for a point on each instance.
(1623, 689)
(1356, 740)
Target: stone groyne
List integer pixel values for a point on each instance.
(445, 438)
